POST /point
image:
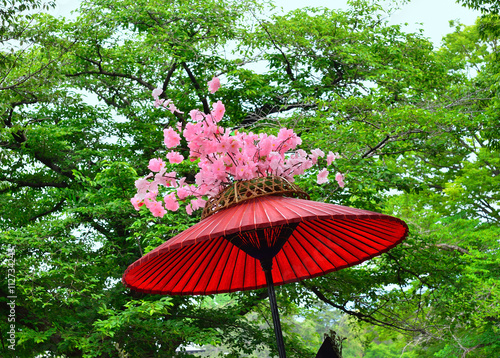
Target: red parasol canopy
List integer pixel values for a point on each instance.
(304, 239)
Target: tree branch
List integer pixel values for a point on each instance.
(268, 109)
(288, 67)
(20, 138)
(113, 74)
(357, 314)
(449, 247)
(24, 78)
(54, 209)
(196, 85)
(37, 185)
(169, 76)
(378, 146)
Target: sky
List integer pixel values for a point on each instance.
(434, 14)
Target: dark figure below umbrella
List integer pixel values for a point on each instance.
(257, 233)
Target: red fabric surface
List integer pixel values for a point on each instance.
(328, 238)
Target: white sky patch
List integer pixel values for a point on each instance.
(111, 282)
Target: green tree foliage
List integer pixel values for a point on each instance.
(434, 287)
(485, 6)
(416, 128)
(12, 11)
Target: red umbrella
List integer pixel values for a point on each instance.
(290, 239)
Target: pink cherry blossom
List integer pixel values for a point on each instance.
(213, 85)
(155, 165)
(172, 108)
(192, 131)
(224, 145)
(182, 193)
(301, 152)
(331, 157)
(240, 171)
(160, 180)
(171, 138)
(155, 207)
(204, 189)
(274, 160)
(218, 111)
(222, 156)
(275, 143)
(142, 184)
(196, 115)
(340, 179)
(234, 146)
(315, 154)
(205, 175)
(218, 169)
(170, 179)
(265, 146)
(285, 133)
(198, 203)
(209, 147)
(322, 176)
(195, 150)
(171, 202)
(289, 139)
(151, 194)
(174, 157)
(159, 102)
(157, 93)
(137, 202)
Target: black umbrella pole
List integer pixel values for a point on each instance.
(267, 267)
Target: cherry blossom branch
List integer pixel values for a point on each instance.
(223, 156)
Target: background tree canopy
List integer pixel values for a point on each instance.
(417, 128)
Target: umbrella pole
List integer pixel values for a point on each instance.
(267, 267)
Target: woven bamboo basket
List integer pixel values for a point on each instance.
(242, 190)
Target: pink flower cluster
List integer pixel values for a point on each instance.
(223, 156)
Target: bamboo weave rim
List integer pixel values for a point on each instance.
(243, 190)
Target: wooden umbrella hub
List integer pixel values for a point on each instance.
(263, 244)
(243, 190)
